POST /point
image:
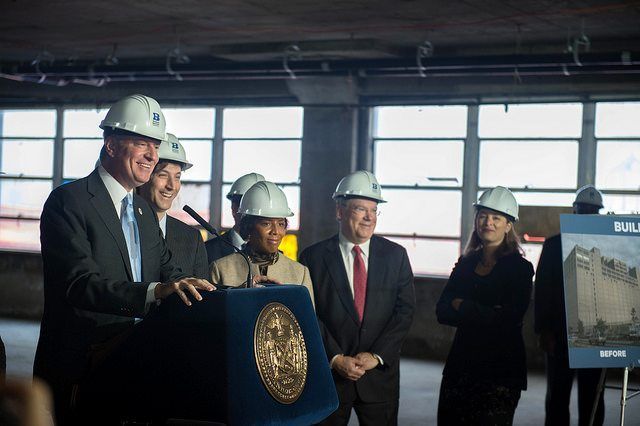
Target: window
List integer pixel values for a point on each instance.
(26, 159)
(272, 141)
(618, 156)
(82, 141)
(533, 150)
(518, 152)
(418, 159)
(265, 141)
(195, 128)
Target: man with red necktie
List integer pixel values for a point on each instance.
(363, 286)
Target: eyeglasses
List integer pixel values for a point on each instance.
(361, 211)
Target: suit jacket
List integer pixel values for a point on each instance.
(217, 248)
(89, 296)
(388, 313)
(187, 248)
(232, 271)
(549, 307)
(488, 345)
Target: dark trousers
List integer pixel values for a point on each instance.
(466, 401)
(559, 383)
(369, 413)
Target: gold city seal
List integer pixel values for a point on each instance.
(280, 351)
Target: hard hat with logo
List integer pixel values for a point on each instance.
(588, 194)
(265, 199)
(361, 184)
(172, 150)
(243, 183)
(501, 200)
(137, 114)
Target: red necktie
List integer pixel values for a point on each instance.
(359, 281)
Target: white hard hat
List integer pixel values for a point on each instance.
(501, 200)
(588, 194)
(359, 184)
(137, 114)
(243, 183)
(265, 199)
(172, 150)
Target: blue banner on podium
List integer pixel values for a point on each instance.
(222, 341)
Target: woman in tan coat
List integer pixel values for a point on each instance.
(263, 225)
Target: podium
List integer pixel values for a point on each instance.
(238, 357)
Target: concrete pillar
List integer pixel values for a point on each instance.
(329, 151)
(470, 174)
(588, 146)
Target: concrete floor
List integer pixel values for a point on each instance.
(420, 381)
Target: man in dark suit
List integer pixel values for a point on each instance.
(184, 242)
(364, 295)
(105, 262)
(550, 324)
(220, 247)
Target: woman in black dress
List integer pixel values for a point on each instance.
(486, 298)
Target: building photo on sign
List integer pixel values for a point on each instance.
(601, 264)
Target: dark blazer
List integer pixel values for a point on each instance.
(488, 344)
(89, 296)
(549, 307)
(187, 248)
(217, 248)
(390, 302)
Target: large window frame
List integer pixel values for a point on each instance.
(215, 182)
(587, 156)
(586, 168)
(425, 238)
(53, 179)
(623, 139)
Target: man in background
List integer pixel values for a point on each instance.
(550, 324)
(363, 286)
(184, 242)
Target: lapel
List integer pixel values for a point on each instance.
(147, 226)
(101, 202)
(172, 233)
(375, 274)
(335, 266)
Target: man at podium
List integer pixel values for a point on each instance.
(364, 301)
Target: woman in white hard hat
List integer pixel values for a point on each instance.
(222, 246)
(264, 210)
(486, 298)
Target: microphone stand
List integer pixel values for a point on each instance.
(213, 231)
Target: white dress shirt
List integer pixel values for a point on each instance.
(236, 239)
(348, 256)
(117, 192)
(163, 225)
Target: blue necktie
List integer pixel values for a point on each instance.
(131, 236)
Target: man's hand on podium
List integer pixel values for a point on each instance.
(182, 287)
(348, 367)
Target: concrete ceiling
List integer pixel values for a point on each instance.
(191, 49)
(68, 31)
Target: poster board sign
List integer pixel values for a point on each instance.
(601, 266)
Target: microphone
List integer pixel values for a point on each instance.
(206, 225)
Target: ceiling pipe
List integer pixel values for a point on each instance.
(207, 69)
